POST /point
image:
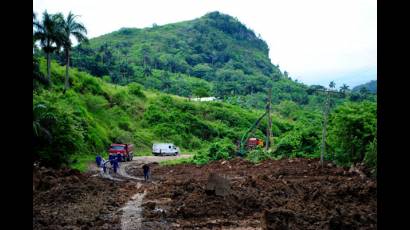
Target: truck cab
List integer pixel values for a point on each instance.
(164, 149)
(125, 150)
(254, 142)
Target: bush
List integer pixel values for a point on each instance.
(371, 154)
(106, 78)
(120, 98)
(59, 133)
(259, 154)
(221, 149)
(352, 132)
(136, 89)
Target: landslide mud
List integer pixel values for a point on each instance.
(285, 194)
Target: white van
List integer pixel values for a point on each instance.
(164, 149)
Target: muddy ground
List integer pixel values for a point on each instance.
(285, 194)
(68, 199)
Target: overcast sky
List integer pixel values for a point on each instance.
(316, 41)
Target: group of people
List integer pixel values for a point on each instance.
(114, 161)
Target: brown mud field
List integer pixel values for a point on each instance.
(68, 199)
(284, 194)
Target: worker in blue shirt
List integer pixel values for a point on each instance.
(146, 172)
(115, 164)
(98, 160)
(119, 157)
(111, 158)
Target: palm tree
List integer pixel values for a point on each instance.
(42, 119)
(332, 84)
(70, 27)
(47, 31)
(344, 88)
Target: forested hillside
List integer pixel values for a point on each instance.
(214, 55)
(126, 97)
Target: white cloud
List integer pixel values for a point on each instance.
(313, 40)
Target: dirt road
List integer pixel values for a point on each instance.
(137, 163)
(131, 217)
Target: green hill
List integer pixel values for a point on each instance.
(132, 86)
(370, 86)
(71, 128)
(211, 55)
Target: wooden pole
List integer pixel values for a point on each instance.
(269, 141)
(325, 116)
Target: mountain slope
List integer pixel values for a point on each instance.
(216, 48)
(370, 86)
(72, 127)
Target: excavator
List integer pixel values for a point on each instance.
(248, 142)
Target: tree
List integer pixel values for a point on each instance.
(352, 131)
(70, 27)
(47, 32)
(286, 74)
(344, 88)
(147, 71)
(332, 85)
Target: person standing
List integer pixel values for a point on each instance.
(98, 160)
(115, 164)
(104, 166)
(146, 171)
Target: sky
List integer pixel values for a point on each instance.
(315, 41)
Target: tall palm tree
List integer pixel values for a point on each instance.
(344, 88)
(47, 32)
(332, 84)
(70, 27)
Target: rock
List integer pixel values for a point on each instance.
(217, 185)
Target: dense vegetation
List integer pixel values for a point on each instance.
(212, 55)
(127, 87)
(93, 113)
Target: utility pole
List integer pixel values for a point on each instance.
(325, 115)
(269, 140)
(326, 110)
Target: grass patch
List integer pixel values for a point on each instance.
(81, 162)
(177, 161)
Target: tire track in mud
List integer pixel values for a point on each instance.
(132, 212)
(131, 217)
(122, 171)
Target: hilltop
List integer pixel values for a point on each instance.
(214, 55)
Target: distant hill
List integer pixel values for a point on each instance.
(370, 86)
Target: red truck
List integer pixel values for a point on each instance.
(253, 142)
(126, 151)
